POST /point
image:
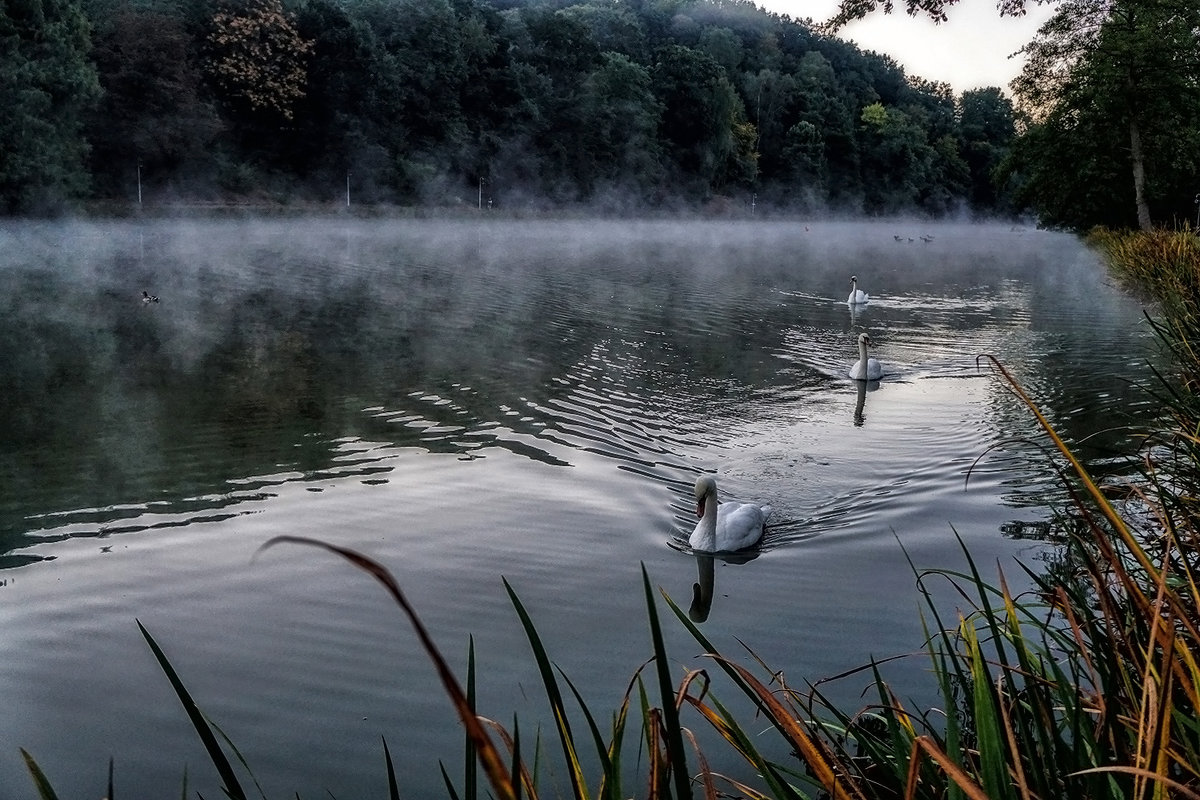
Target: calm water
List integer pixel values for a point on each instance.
(466, 402)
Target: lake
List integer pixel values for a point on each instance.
(471, 401)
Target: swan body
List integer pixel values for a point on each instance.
(857, 295)
(724, 527)
(865, 369)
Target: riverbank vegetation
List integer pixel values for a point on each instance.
(668, 105)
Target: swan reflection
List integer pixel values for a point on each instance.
(862, 388)
(702, 590)
(706, 577)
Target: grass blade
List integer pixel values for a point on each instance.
(554, 695)
(232, 788)
(45, 791)
(393, 789)
(489, 756)
(676, 756)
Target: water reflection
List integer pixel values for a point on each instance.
(271, 347)
(704, 589)
(861, 389)
(416, 388)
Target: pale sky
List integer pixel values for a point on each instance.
(968, 52)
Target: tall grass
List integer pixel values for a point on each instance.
(1086, 686)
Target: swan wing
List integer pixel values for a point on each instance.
(740, 525)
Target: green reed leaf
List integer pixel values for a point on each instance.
(40, 782)
(215, 754)
(674, 738)
(553, 695)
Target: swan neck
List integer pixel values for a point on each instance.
(862, 352)
(706, 530)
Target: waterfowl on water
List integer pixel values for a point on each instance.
(865, 369)
(857, 295)
(149, 298)
(724, 527)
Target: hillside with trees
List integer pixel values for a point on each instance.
(616, 105)
(524, 103)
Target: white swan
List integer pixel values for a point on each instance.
(857, 295)
(865, 369)
(724, 527)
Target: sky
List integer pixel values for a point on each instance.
(970, 51)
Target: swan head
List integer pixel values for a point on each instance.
(706, 487)
(853, 279)
(864, 339)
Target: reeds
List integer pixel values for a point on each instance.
(1088, 685)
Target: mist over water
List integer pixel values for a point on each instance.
(466, 400)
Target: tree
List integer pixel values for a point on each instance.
(987, 128)
(849, 10)
(1135, 64)
(897, 161)
(1095, 66)
(621, 115)
(257, 58)
(153, 111)
(46, 86)
(704, 124)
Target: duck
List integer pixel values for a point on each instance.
(725, 527)
(857, 295)
(149, 298)
(865, 369)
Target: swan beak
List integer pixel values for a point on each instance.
(700, 508)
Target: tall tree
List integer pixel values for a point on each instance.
(987, 127)
(704, 124)
(46, 86)
(1134, 62)
(257, 58)
(1137, 61)
(1096, 66)
(154, 112)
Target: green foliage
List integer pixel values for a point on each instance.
(154, 113)
(594, 102)
(46, 86)
(1113, 95)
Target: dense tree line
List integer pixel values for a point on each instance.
(522, 102)
(610, 103)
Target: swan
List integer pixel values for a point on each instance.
(865, 369)
(857, 295)
(724, 527)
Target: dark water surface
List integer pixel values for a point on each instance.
(466, 402)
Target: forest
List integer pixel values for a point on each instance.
(616, 106)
